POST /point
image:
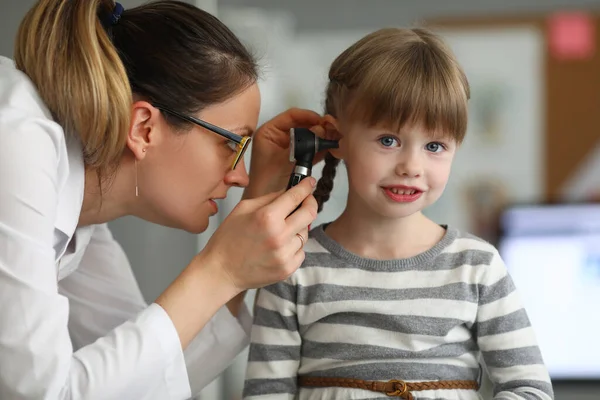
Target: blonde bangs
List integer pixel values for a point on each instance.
(417, 83)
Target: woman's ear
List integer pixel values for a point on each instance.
(141, 137)
(332, 132)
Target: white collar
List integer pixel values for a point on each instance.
(70, 198)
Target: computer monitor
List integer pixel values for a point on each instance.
(552, 252)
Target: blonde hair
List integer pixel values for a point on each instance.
(64, 49)
(394, 77)
(86, 67)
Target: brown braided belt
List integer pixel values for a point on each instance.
(392, 388)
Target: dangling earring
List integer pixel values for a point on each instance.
(137, 192)
(136, 182)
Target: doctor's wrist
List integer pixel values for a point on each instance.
(210, 271)
(196, 295)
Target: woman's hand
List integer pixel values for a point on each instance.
(257, 244)
(270, 167)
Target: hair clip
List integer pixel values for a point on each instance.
(116, 15)
(110, 20)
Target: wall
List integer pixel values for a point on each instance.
(158, 254)
(321, 15)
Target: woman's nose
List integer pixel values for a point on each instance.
(238, 176)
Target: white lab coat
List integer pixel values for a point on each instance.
(73, 323)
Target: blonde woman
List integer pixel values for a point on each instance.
(108, 112)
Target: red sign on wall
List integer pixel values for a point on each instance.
(571, 35)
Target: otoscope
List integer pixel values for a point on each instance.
(304, 144)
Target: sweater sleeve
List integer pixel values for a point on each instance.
(507, 340)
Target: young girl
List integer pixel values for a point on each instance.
(387, 302)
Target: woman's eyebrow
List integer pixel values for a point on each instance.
(243, 130)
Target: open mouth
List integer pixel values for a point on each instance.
(402, 191)
(402, 195)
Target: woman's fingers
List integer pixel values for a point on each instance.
(296, 118)
(277, 129)
(302, 238)
(257, 243)
(293, 253)
(296, 252)
(303, 216)
(285, 204)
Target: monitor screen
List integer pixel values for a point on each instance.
(553, 255)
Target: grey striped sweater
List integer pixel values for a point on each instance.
(430, 317)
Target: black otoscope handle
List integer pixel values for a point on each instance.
(295, 178)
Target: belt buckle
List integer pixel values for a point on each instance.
(398, 392)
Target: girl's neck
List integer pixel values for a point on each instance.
(384, 238)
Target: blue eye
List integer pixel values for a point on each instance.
(388, 141)
(434, 147)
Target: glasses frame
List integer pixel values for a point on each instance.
(241, 141)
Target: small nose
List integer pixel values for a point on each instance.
(410, 165)
(238, 176)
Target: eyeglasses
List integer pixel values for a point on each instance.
(237, 143)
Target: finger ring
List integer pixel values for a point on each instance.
(301, 239)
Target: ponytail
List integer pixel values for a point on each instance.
(64, 49)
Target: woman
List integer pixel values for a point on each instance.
(143, 112)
